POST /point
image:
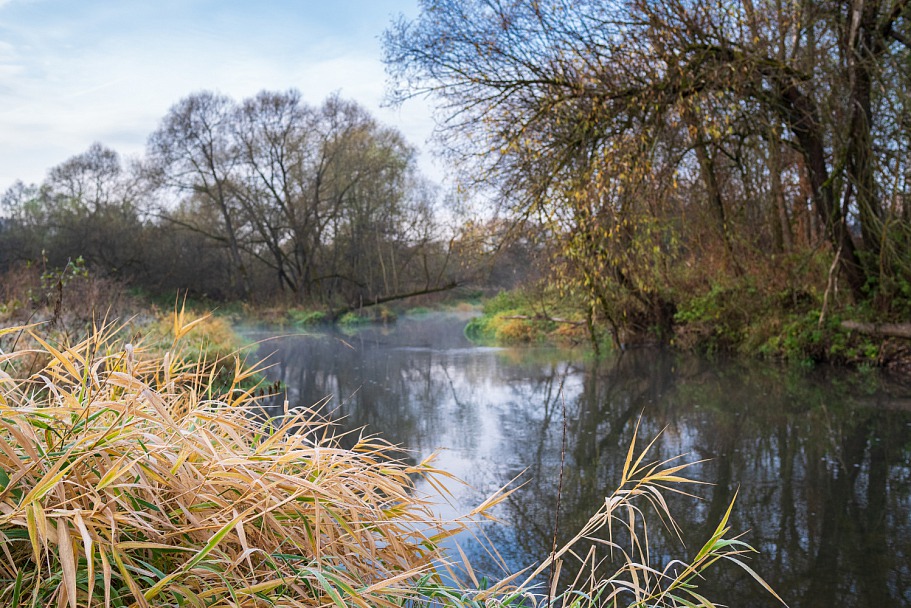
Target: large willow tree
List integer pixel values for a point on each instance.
(661, 137)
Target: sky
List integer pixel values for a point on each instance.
(73, 72)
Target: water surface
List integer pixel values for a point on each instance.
(819, 459)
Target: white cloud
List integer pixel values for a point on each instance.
(110, 71)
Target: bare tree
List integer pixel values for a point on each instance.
(191, 154)
(325, 192)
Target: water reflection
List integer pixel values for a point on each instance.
(820, 460)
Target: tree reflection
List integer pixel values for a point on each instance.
(818, 461)
(821, 481)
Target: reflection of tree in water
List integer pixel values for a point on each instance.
(603, 404)
(823, 484)
(813, 469)
(821, 461)
(378, 394)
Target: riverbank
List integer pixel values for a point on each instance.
(803, 328)
(729, 321)
(204, 501)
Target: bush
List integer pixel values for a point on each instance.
(802, 338)
(374, 314)
(512, 302)
(496, 325)
(719, 319)
(71, 296)
(307, 318)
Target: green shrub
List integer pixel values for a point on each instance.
(306, 318)
(721, 315)
(803, 339)
(512, 301)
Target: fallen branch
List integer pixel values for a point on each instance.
(391, 298)
(882, 330)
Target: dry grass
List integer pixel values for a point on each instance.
(621, 533)
(70, 299)
(126, 479)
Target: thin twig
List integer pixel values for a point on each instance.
(553, 549)
(832, 280)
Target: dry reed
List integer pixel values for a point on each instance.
(128, 479)
(610, 553)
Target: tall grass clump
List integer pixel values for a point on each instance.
(131, 479)
(611, 552)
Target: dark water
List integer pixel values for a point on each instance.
(822, 458)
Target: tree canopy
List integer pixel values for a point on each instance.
(658, 138)
(263, 198)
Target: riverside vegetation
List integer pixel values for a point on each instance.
(729, 175)
(742, 319)
(724, 175)
(130, 475)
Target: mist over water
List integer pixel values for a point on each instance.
(819, 459)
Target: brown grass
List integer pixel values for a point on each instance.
(622, 528)
(128, 479)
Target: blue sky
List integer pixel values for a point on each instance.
(73, 72)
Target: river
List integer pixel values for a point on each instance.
(820, 459)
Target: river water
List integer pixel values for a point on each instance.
(820, 460)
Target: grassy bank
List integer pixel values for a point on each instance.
(517, 317)
(738, 317)
(69, 304)
(303, 317)
(133, 478)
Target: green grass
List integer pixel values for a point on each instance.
(367, 316)
(307, 318)
(514, 317)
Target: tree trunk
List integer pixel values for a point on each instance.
(336, 315)
(865, 45)
(880, 330)
(778, 216)
(801, 116)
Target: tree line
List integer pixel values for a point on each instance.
(261, 199)
(674, 150)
